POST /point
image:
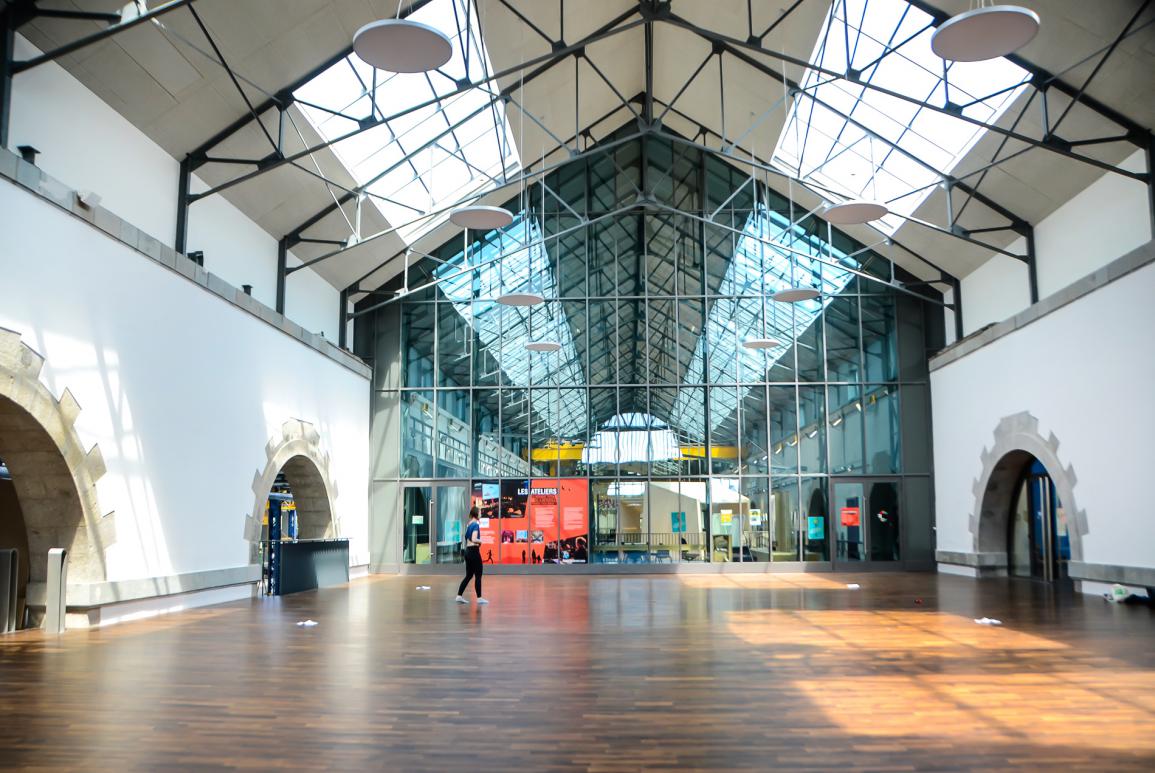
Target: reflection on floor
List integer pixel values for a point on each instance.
(594, 673)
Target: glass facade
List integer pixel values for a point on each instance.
(654, 433)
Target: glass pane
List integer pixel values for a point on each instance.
(417, 434)
(841, 317)
(728, 510)
(783, 431)
(844, 414)
(884, 521)
(756, 532)
(453, 453)
(784, 516)
(452, 515)
(753, 452)
(879, 339)
(454, 345)
(1019, 551)
(723, 430)
(817, 524)
(415, 529)
(417, 322)
(849, 501)
(883, 432)
(812, 428)
(486, 432)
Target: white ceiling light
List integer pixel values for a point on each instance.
(481, 218)
(855, 212)
(400, 45)
(795, 294)
(762, 343)
(985, 33)
(543, 346)
(521, 298)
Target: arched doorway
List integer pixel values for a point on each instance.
(296, 470)
(40, 507)
(1023, 479)
(1038, 538)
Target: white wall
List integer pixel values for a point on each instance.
(87, 145)
(180, 389)
(995, 290)
(1105, 221)
(1085, 371)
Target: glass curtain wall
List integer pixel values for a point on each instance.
(654, 434)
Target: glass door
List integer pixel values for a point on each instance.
(451, 502)
(866, 520)
(849, 503)
(417, 510)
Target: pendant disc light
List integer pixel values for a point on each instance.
(520, 298)
(400, 45)
(795, 295)
(855, 212)
(762, 343)
(984, 33)
(479, 217)
(543, 346)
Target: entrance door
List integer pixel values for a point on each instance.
(451, 503)
(417, 522)
(1038, 544)
(866, 520)
(434, 522)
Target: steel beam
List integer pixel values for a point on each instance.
(282, 272)
(1046, 79)
(548, 60)
(734, 46)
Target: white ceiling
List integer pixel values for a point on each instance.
(180, 97)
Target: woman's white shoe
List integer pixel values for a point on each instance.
(462, 600)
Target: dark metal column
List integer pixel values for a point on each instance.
(1032, 264)
(343, 331)
(282, 271)
(180, 243)
(11, 17)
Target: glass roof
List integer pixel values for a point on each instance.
(888, 42)
(456, 148)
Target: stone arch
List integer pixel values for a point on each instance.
(297, 452)
(1016, 441)
(53, 476)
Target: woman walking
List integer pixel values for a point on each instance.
(473, 565)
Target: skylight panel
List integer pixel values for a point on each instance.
(848, 141)
(447, 148)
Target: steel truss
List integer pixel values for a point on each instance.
(15, 13)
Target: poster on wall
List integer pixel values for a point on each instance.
(513, 528)
(573, 501)
(850, 516)
(815, 527)
(542, 506)
(486, 498)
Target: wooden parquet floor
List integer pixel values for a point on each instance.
(702, 672)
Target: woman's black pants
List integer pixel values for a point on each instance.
(473, 567)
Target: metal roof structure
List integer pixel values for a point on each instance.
(231, 88)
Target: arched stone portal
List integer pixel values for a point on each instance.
(1016, 443)
(54, 478)
(297, 453)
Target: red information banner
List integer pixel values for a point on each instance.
(850, 516)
